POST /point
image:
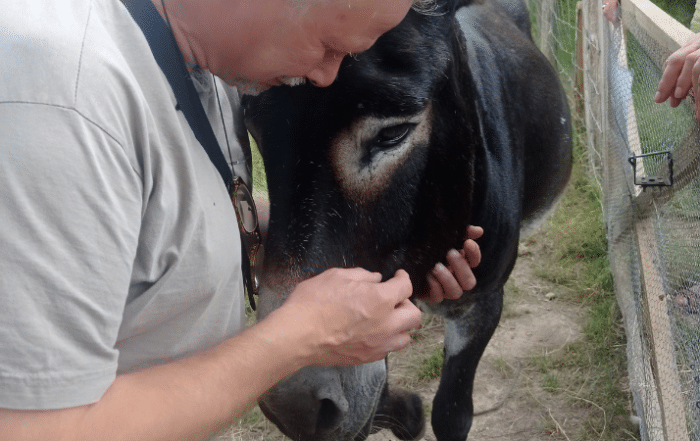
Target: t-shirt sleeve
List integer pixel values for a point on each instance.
(70, 213)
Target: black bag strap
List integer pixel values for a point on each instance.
(168, 56)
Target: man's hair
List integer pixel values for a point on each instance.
(427, 7)
(424, 5)
(418, 5)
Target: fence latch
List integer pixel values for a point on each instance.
(661, 162)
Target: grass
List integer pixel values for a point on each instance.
(259, 179)
(591, 371)
(680, 10)
(431, 367)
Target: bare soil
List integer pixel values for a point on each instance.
(519, 401)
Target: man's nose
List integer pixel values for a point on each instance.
(324, 74)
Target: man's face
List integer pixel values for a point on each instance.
(288, 44)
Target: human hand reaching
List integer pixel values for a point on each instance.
(610, 10)
(681, 74)
(349, 316)
(451, 280)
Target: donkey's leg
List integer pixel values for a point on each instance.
(467, 332)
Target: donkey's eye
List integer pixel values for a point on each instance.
(390, 137)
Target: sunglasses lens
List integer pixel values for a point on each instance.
(246, 209)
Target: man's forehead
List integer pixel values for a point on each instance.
(369, 17)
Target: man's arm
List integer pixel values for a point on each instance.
(196, 397)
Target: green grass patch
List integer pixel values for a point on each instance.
(592, 371)
(431, 367)
(575, 237)
(259, 179)
(550, 383)
(680, 10)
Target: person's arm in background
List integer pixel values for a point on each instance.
(681, 70)
(610, 8)
(681, 74)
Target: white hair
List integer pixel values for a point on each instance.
(422, 6)
(426, 7)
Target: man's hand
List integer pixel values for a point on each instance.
(681, 74)
(449, 282)
(349, 316)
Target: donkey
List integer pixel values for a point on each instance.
(453, 118)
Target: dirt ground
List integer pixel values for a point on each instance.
(537, 320)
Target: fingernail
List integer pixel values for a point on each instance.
(678, 93)
(657, 97)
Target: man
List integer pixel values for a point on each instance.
(120, 276)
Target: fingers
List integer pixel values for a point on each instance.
(401, 285)
(679, 73)
(406, 316)
(685, 78)
(474, 232)
(669, 79)
(472, 253)
(353, 316)
(409, 316)
(675, 85)
(448, 282)
(394, 328)
(667, 85)
(696, 86)
(461, 267)
(451, 280)
(435, 293)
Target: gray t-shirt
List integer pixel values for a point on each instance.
(119, 247)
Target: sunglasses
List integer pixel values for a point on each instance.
(247, 216)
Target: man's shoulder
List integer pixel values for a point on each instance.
(59, 52)
(88, 56)
(41, 49)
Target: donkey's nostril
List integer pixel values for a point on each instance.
(329, 416)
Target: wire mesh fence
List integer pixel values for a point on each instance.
(645, 158)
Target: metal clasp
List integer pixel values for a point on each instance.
(657, 161)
